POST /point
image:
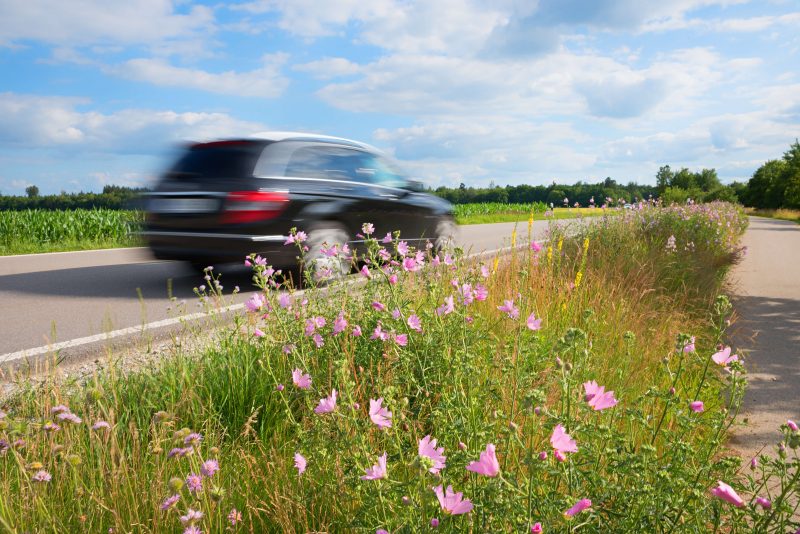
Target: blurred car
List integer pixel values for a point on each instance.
(225, 199)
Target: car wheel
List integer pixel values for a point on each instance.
(446, 231)
(321, 267)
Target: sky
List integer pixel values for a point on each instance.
(94, 92)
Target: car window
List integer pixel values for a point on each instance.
(333, 163)
(379, 170)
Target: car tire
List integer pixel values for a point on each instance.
(445, 235)
(321, 267)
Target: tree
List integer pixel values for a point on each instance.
(663, 178)
(32, 191)
(791, 176)
(707, 180)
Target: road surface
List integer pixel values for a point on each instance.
(767, 298)
(49, 299)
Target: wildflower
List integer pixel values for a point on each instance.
(169, 502)
(326, 405)
(258, 332)
(387, 238)
(179, 452)
(560, 456)
(51, 427)
(451, 502)
(58, 409)
(597, 397)
(488, 464)
(792, 425)
(414, 323)
(378, 471)
(302, 381)
(367, 228)
(561, 441)
(279, 387)
(41, 476)
(393, 279)
(697, 406)
(724, 357)
(448, 259)
(509, 308)
(191, 516)
(194, 483)
(410, 264)
(462, 446)
(447, 308)
(763, 503)
(378, 333)
(209, 467)
(234, 516)
(536, 247)
(378, 414)
(578, 278)
(670, 246)
(261, 262)
(427, 449)
(396, 314)
(339, 324)
(365, 272)
(71, 417)
(434, 522)
(485, 271)
(543, 455)
(300, 463)
(285, 300)
(381, 531)
(689, 347)
(193, 439)
(534, 323)
(480, 292)
(356, 331)
(400, 339)
(753, 463)
(100, 424)
(255, 302)
(536, 528)
(192, 529)
(379, 306)
(579, 507)
(318, 341)
(727, 493)
(402, 248)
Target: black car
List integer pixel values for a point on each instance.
(223, 200)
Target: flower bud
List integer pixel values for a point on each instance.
(543, 455)
(462, 445)
(406, 500)
(176, 484)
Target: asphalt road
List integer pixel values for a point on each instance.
(767, 299)
(49, 299)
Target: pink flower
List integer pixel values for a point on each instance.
(393, 279)
(285, 300)
(169, 502)
(485, 272)
(536, 528)
(378, 471)
(339, 324)
(367, 228)
(427, 448)
(300, 463)
(451, 502)
(543, 455)
(382, 531)
(792, 425)
(534, 323)
(480, 292)
(410, 264)
(402, 248)
(434, 522)
(400, 339)
(561, 441)
(378, 333)
(396, 314)
(191, 516)
(697, 406)
(387, 238)
(579, 507)
(560, 456)
(356, 331)
(258, 332)
(318, 341)
(447, 308)
(41, 476)
(727, 493)
(535, 246)
(378, 414)
(724, 357)
(327, 405)
(689, 347)
(488, 464)
(365, 272)
(194, 483)
(71, 417)
(597, 397)
(414, 323)
(209, 467)
(255, 302)
(234, 516)
(300, 237)
(509, 308)
(379, 306)
(303, 381)
(763, 503)
(192, 529)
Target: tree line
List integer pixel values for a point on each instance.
(113, 197)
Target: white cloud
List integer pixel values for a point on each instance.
(34, 122)
(329, 67)
(264, 82)
(85, 22)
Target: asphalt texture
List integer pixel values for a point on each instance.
(767, 332)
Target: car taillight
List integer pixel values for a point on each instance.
(252, 206)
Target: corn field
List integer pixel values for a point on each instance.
(40, 230)
(493, 208)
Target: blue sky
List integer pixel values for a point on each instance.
(95, 92)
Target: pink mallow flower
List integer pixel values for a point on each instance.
(303, 381)
(536, 246)
(536, 528)
(724, 357)
(327, 405)
(400, 339)
(365, 272)
(427, 448)
(339, 324)
(727, 493)
(597, 397)
(534, 323)
(300, 463)
(764, 503)
(792, 425)
(689, 347)
(697, 406)
(378, 471)
(446, 308)
(579, 507)
(378, 414)
(414, 323)
(509, 308)
(488, 464)
(451, 502)
(255, 302)
(561, 441)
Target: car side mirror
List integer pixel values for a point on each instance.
(415, 186)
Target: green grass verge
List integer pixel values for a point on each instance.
(524, 216)
(782, 214)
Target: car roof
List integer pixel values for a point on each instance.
(304, 136)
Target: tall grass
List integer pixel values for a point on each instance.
(53, 230)
(619, 302)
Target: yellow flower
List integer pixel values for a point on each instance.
(578, 278)
(585, 245)
(514, 238)
(496, 262)
(549, 254)
(560, 243)
(530, 222)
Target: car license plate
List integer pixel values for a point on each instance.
(183, 205)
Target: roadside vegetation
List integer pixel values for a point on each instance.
(783, 214)
(496, 212)
(580, 384)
